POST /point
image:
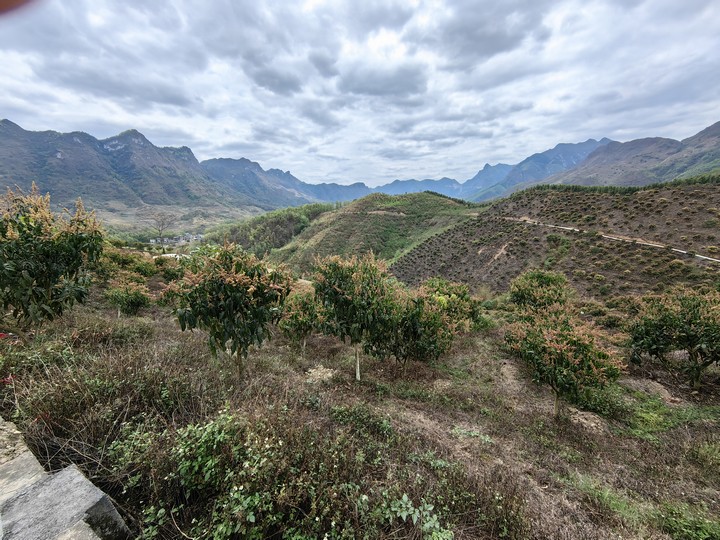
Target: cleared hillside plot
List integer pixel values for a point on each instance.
(386, 225)
(531, 230)
(682, 215)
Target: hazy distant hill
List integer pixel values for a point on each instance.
(645, 161)
(539, 166)
(120, 174)
(125, 175)
(486, 177)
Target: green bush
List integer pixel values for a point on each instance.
(682, 319)
(301, 317)
(358, 299)
(563, 352)
(232, 295)
(536, 289)
(128, 297)
(44, 257)
(421, 330)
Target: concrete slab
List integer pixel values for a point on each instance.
(19, 473)
(58, 502)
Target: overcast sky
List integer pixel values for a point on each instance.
(364, 90)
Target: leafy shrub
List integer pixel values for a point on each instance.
(536, 289)
(232, 295)
(456, 301)
(563, 352)
(145, 268)
(357, 297)
(682, 319)
(421, 330)
(301, 317)
(44, 256)
(128, 297)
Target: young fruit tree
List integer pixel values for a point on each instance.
(682, 319)
(233, 296)
(44, 256)
(563, 352)
(537, 289)
(357, 298)
(301, 317)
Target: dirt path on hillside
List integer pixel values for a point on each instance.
(617, 237)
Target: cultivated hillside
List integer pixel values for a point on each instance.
(522, 232)
(387, 225)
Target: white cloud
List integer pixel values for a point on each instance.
(364, 91)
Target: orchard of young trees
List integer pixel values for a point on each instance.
(235, 298)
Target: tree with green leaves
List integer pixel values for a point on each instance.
(537, 289)
(682, 319)
(301, 317)
(233, 296)
(357, 296)
(562, 351)
(44, 256)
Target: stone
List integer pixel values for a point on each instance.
(17, 474)
(49, 507)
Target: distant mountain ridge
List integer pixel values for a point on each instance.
(127, 171)
(645, 161)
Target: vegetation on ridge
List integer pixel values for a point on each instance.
(460, 444)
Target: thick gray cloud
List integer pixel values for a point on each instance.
(364, 91)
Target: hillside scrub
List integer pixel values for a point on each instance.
(681, 319)
(262, 234)
(44, 257)
(460, 446)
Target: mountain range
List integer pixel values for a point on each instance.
(127, 172)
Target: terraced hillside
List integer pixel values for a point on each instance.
(387, 225)
(524, 232)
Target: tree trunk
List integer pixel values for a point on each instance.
(240, 365)
(357, 363)
(557, 405)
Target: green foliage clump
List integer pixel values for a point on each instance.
(563, 352)
(44, 257)
(683, 523)
(537, 289)
(456, 301)
(363, 304)
(301, 317)
(358, 299)
(232, 295)
(261, 234)
(128, 297)
(422, 329)
(682, 319)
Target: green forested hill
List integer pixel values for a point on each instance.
(387, 225)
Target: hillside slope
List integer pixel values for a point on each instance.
(539, 166)
(646, 161)
(387, 225)
(498, 245)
